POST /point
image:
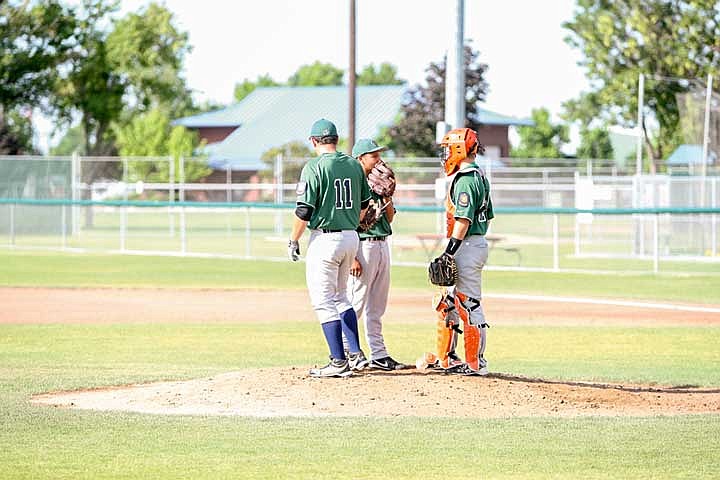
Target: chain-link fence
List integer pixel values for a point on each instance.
(519, 240)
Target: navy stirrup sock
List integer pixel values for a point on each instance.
(333, 336)
(348, 319)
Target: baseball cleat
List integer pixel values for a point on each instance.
(464, 369)
(454, 360)
(357, 361)
(336, 368)
(387, 363)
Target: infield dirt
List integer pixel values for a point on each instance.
(290, 392)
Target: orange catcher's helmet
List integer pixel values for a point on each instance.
(457, 145)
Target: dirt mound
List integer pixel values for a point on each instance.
(271, 392)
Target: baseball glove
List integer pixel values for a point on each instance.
(370, 218)
(443, 271)
(382, 179)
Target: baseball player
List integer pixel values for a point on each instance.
(469, 210)
(369, 279)
(331, 193)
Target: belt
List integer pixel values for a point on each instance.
(325, 230)
(373, 239)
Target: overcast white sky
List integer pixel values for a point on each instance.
(530, 65)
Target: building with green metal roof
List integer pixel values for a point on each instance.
(238, 135)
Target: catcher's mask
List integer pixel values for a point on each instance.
(457, 145)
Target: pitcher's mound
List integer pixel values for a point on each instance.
(271, 392)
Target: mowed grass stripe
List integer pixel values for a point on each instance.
(49, 269)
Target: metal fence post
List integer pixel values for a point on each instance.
(278, 193)
(656, 245)
(12, 224)
(713, 218)
(229, 199)
(556, 243)
(123, 209)
(63, 226)
(171, 195)
(577, 221)
(247, 232)
(74, 187)
(183, 232)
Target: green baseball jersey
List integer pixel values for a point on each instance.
(382, 227)
(470, 197)
(334, 185)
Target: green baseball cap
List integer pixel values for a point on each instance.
(366, 145)
(323, 128)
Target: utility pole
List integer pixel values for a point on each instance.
(455, 71)
(351, 79)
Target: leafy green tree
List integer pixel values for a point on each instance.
(151, 135)
(315, 75)
(665, 40)
(134, 67)
(246, 87)
(15, 134)
(595, 144)
(148, 51)
(293, 151)
(541, 141)
(414, 132)
(383, 74)
(73, 141)
(35, 39)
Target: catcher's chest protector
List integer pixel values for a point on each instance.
(450, 205)
(449, 215)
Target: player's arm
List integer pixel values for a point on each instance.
(365, 194)
(300, 223)
(389, 209)
(306, 192)
(464, 206)
(458, 234)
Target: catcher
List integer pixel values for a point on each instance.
(369, 279)
(469, 210)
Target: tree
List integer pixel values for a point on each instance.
(316, 75)
(414, 132)
(246, 87)
(72, 142)
(543, 140)
(385, 74)
(134, 67)
(151, 135)
(595, 144)
(15, 134)
(665, 40)
(35, 39)
(292, 150)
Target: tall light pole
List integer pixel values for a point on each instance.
(351, 79)
(455, 71)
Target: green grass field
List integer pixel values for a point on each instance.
(44, 442)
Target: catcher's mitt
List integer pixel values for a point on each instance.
(443, 271)
(370, 218)
(382, 179)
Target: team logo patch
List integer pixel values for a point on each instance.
(301, 187)
(464, 199)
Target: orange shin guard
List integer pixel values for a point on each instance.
(444, 339)
(472, 346)
(471, 333)
(442, 303)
